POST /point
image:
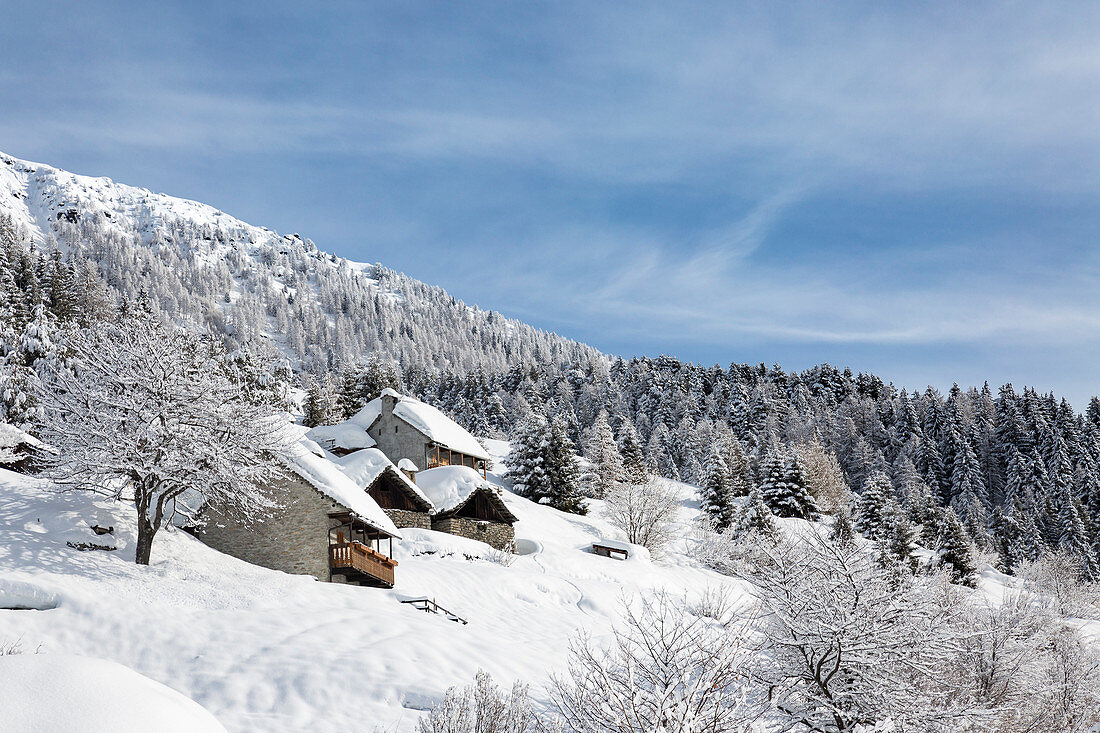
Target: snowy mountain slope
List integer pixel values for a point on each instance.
(49, 194)
(267, 651)
(192, 262)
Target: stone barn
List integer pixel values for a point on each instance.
(468, 505)
(325, 526)
(404, 428)
(393, 489)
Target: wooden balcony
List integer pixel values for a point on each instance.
(361, 563)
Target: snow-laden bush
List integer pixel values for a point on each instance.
(483, 708)
(666, 670)
(850, 644)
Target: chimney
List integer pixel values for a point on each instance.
(408, 468)
(389, 401)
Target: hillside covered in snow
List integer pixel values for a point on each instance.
(191, 262)
(262, 650)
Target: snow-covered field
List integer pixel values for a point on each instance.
(262, 650)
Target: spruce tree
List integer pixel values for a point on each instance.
(528, 463)
(603, 453)
(348, 394)
(562, 471)
(843, 532)
(1075, 540)
(900, 537)
(874, 502)
(737, 464)
(783, 487)
(716, 498)
(956, 549)
(322, 406)
(755, 518)
(630, 448)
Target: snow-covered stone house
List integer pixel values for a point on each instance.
(452, 494)
(391, 488)
(468, 505)
(325, 525)
(404, 428)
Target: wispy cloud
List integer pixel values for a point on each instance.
(635, 172)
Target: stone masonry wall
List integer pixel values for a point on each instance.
(496, 534)
(294, 540)
(397, 439)
(406, 518)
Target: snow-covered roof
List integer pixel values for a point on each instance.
(346, 436)
(425, 418)
(365, 466)
(449, 487)
(615, 545)
(406, 465)
(13, 437)
(328, 478)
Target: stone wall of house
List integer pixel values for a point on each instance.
(498, 534)
(406, 518)
(396, 438)
(294, 539)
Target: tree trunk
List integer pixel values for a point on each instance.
(146, 530)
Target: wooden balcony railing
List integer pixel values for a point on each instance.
(358, 557)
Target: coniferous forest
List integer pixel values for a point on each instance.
(1003, 468)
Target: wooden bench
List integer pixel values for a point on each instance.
(605, 550)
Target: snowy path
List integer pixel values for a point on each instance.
(580, 601)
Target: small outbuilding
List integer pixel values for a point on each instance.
(468, 505)
(19, 449)
(391, 487)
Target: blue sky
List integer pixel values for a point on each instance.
(910, 189)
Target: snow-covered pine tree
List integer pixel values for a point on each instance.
(529, 463)
(603, 453)
(900, 537)
(755, 518)
(348, 394)
(783, 486)
(562, 471)
(716, 497)
(630, 448)
(956, 549)
(874, 503)
(1075, 539)
(36, 342)
(737, 463)
(322, 407)
(843, 532)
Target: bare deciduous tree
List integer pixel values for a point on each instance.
(848, 642)
(142, 412)
(645, 512)
(824, 476)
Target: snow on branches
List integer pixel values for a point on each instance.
(146, 413)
